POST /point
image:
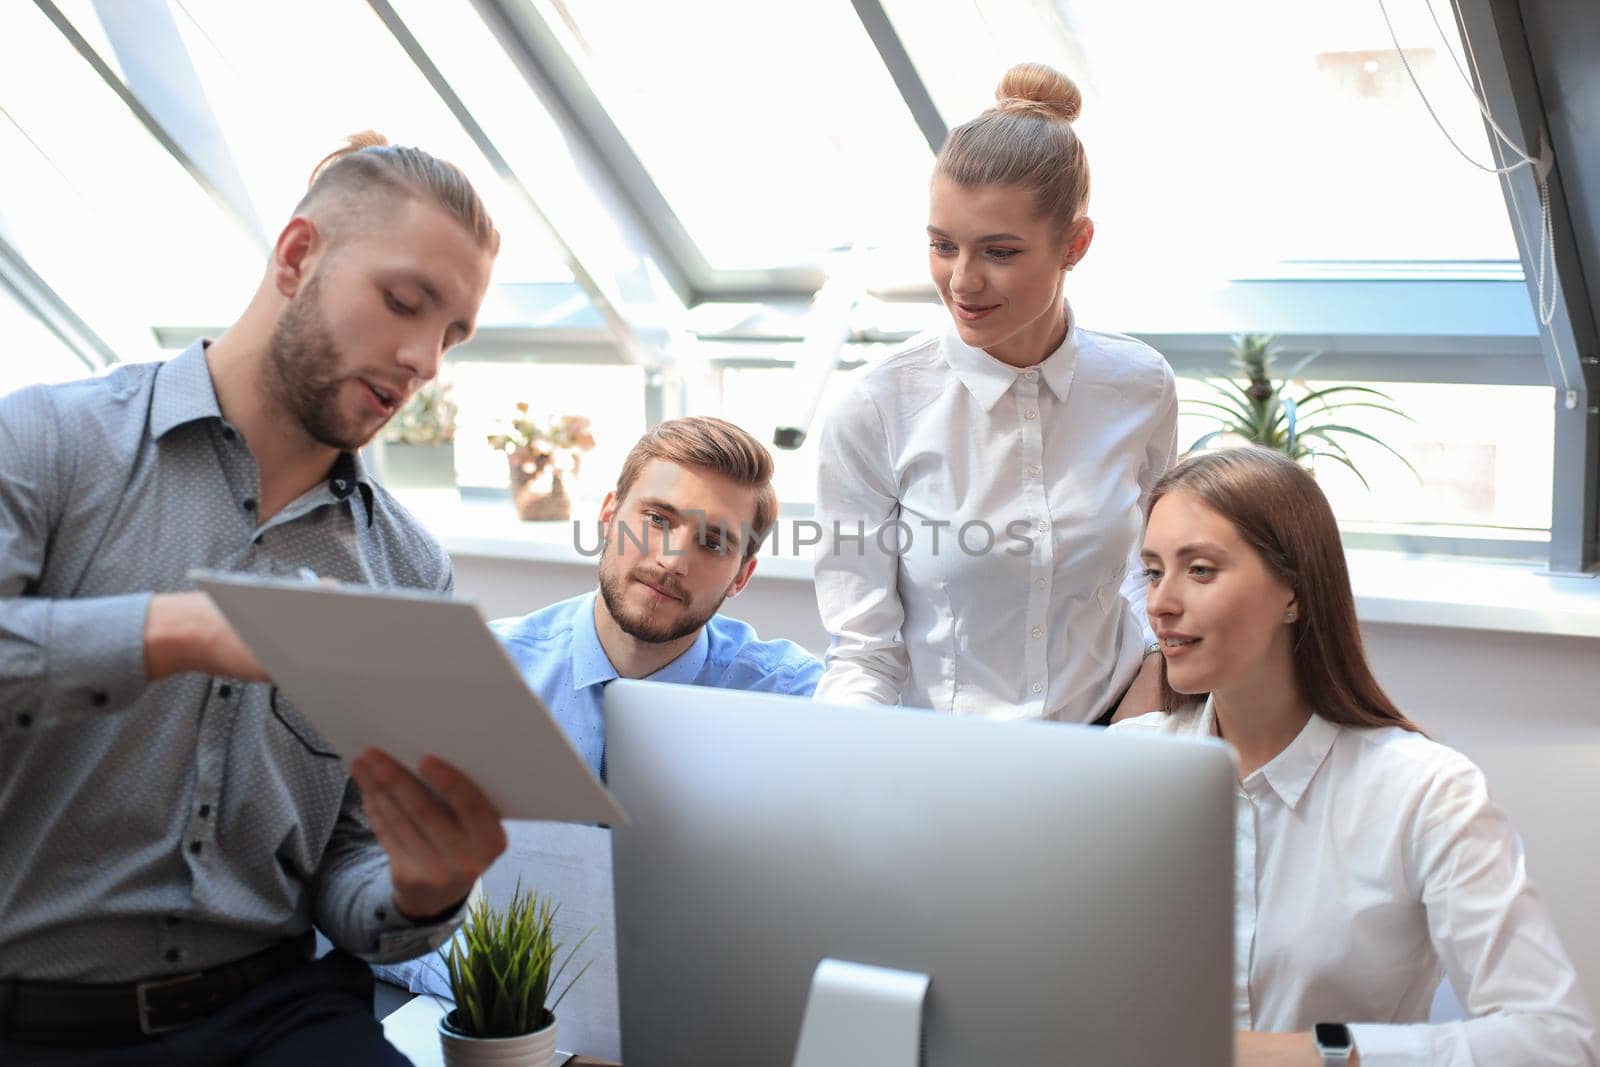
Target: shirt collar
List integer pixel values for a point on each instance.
(185, 393)
(988, 379)
(348, 474)
(1289, 773)
(591, 665)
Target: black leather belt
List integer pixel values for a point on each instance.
(74, 1012)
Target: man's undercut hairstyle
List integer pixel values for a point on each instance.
(345, 184)
(703, 443)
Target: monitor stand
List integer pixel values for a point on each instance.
(858, 1015)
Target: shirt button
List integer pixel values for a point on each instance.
(1033, 469)
(1043, 525)
(1038, 687)
(24, 720)
(194, 848)
(172, 920)
(99, 699)
(248, 503)
(1037, 631)
(224, 691)
(382, 915)
(174, 955)
(1041, 583)
(1031, 375)
(227, 433)
(1030, 414)
(205, 813)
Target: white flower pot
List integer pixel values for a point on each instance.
(537, 1049)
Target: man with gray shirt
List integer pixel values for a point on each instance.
(173, 830)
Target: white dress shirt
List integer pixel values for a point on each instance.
(1368, 863)
(1056, 462)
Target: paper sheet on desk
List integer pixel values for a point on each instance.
(572, 865)
(413, 674)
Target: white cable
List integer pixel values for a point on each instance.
(1401, 52)
(1467, 79)
(1547, 243)
(1540, 165)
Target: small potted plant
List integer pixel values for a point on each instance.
(419, 442)
(541, 457)
(502, 967)
(1303, 427)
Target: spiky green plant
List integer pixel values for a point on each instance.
(1300, 427)
(500, 967)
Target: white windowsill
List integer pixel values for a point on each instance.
(1391, 587)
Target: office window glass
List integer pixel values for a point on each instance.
(1248, 138)
(773, 129)
(612, 398)
(33, 353)
(1484, 465)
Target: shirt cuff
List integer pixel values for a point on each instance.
(394, 937)
(1391, 1046)
(96, 651)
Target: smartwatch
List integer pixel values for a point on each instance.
(1333, 1041)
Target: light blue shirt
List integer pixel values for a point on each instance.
(560, 656)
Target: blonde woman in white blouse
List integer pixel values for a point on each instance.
(1370, 859)
(981, 490)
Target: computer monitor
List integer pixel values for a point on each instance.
(1068, 890)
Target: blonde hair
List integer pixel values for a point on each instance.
(709, 444)
(369, 164)
(1026, 140)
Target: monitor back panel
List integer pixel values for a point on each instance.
(1068, 890)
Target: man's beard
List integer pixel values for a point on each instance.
(305, 366)
(613, 590)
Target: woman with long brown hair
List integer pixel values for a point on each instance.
(1370, 860)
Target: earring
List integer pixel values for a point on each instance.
(1291, 616)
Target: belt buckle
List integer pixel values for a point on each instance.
(140, 994)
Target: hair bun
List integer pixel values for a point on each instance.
(353, 143)
(1040, 89)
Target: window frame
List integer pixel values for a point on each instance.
(1422, 339)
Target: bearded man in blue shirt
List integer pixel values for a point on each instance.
(680, 534)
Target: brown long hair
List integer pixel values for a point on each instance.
(1280, 511)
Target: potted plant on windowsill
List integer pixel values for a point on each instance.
(502, 967)
(1305, 427)
(419, 442)
(541, 459)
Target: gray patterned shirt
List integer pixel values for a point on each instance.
(160, 828)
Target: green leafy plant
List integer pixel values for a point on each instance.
(1267, 414)
(503, 965)
(429, 418)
